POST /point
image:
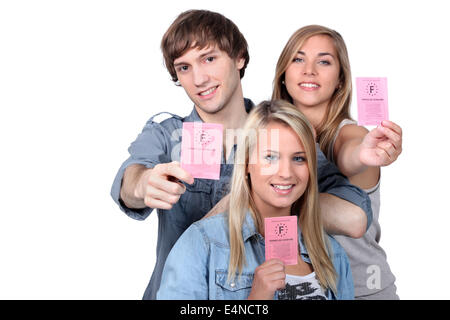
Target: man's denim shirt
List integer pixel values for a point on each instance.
(161, 143)
(197, 266)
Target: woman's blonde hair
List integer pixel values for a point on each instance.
(339, 107)
(306, 207)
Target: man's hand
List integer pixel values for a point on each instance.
(269, 277)
(158, 188)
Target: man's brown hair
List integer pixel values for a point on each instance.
(201, 29)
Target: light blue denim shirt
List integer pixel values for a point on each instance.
(161, 143)
(197, 266)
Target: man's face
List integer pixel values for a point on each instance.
(210, 78)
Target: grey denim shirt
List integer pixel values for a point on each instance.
(161, 143)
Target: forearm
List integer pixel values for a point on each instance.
(348, 160)
(341, 217)
(130, 181)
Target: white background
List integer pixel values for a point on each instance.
(79, 79)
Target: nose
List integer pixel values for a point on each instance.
(200, 77)
(284, 169)
(310, 69)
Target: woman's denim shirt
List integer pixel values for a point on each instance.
(197, 266)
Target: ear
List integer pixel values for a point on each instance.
(240, 62)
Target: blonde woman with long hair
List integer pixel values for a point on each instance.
(223, 256)
(313, 73)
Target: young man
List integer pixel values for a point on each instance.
(206, 54)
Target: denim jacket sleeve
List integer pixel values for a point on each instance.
(332, 181)
(185, 275)
(149, 149)
(345, 286)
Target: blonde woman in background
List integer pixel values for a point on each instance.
(223, 256)
(313, 73)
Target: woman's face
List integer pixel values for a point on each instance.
(313, 76)
(278, 170)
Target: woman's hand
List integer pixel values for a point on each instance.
(269, 277)
(381, 146)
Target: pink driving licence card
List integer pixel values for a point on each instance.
(201, 149)
(372, 100)
(281, 239)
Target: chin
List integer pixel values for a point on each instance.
(211, 108)
(283, 205)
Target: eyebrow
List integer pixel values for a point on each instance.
(272, 151)
(320, 54)
(209, 52)
(178, 64)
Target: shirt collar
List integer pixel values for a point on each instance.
(249, 227)
(193, 117)
(303, 251)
